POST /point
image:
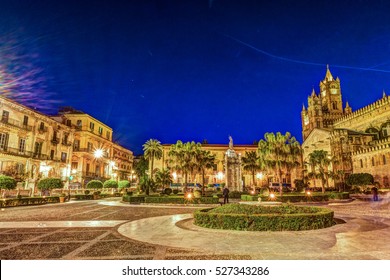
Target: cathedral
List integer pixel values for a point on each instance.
(357, 141)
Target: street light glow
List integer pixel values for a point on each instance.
(98, 153)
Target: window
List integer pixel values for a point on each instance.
(38, 148)
(373, 162)
(89, 147)
(318, 124)
(92, 126)
(51, 154)
(79, 123)
(108, 135)
(74, 165)
(42, 126)
(5, 116)
(87, 168)
(69, 122)
(100, 130)
(65, 140)
(384, 159)
(3, 141)
(22, 145)
(25, 120)
(357, 140)
(63, 157)
(76, 145)
(361, 163)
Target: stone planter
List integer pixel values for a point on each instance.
(62, 199)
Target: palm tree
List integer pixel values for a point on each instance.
(319, 161)
(182, 158)
(152, 150)
(163, 178)
(204, 160)
(280, 153)
(250, 163)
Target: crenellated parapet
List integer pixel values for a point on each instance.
(379, 105)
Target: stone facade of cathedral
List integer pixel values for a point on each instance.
(358, 141)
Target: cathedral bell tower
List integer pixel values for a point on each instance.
(325, 107)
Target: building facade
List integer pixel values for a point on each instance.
(357, 141)
(33, 145)
(217, 175)
(72, 146)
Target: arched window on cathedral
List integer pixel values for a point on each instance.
(361, 163)
(384, 159)
(373, 161)
(334, 105)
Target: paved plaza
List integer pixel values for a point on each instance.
(111, 229)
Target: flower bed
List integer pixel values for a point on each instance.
(262, 218)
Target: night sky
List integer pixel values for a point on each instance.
(194, 70)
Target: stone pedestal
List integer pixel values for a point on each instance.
(233, 169)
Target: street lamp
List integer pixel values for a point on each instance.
(98, 153)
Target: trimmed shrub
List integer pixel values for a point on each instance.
(262, 218)
(123, 184)
(86, 192)
(236, 194)
(168, 191)
(197, 194)
(110, 184)
(94, 184)
(50, 183)
(181, 200)
(175, 191)
(7, 182)
(338, 195)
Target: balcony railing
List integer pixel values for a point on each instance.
(16, 123)
(55, 140)
(66, 143)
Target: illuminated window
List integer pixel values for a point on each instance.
(3, 141)
(22, 145)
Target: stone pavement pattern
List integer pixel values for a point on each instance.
(109, 229)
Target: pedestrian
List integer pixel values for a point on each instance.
(375, 193)
(225, 193)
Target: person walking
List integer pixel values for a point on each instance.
(225, 193)
(375, 193)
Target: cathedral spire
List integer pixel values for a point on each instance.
(384, 94)
(328, 75)
(303, 107)
(313, 92)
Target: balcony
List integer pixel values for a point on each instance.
(42, 129)
(15, 123)
(66, 143)
(15, 152)
(55, 140)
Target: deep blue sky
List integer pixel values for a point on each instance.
(171, 69)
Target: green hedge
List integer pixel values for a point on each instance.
(82, 196)
(94, 184)
(338, 195)
(261, 218)
(26, 201)
(286, 198)
(247, 197)
(110, 184)
(169, 199)
(181, 200)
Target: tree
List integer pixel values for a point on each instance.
(50, 183)
(7, 182)
(319, 161)
(146, 184)
(110, 184)
(250, 163)
(204, 160)
(123, 184)
(94, 184)
(163, 178)
(141, 166)
(280, 153)
(152, 150)
(182, 158)
(360, 179)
